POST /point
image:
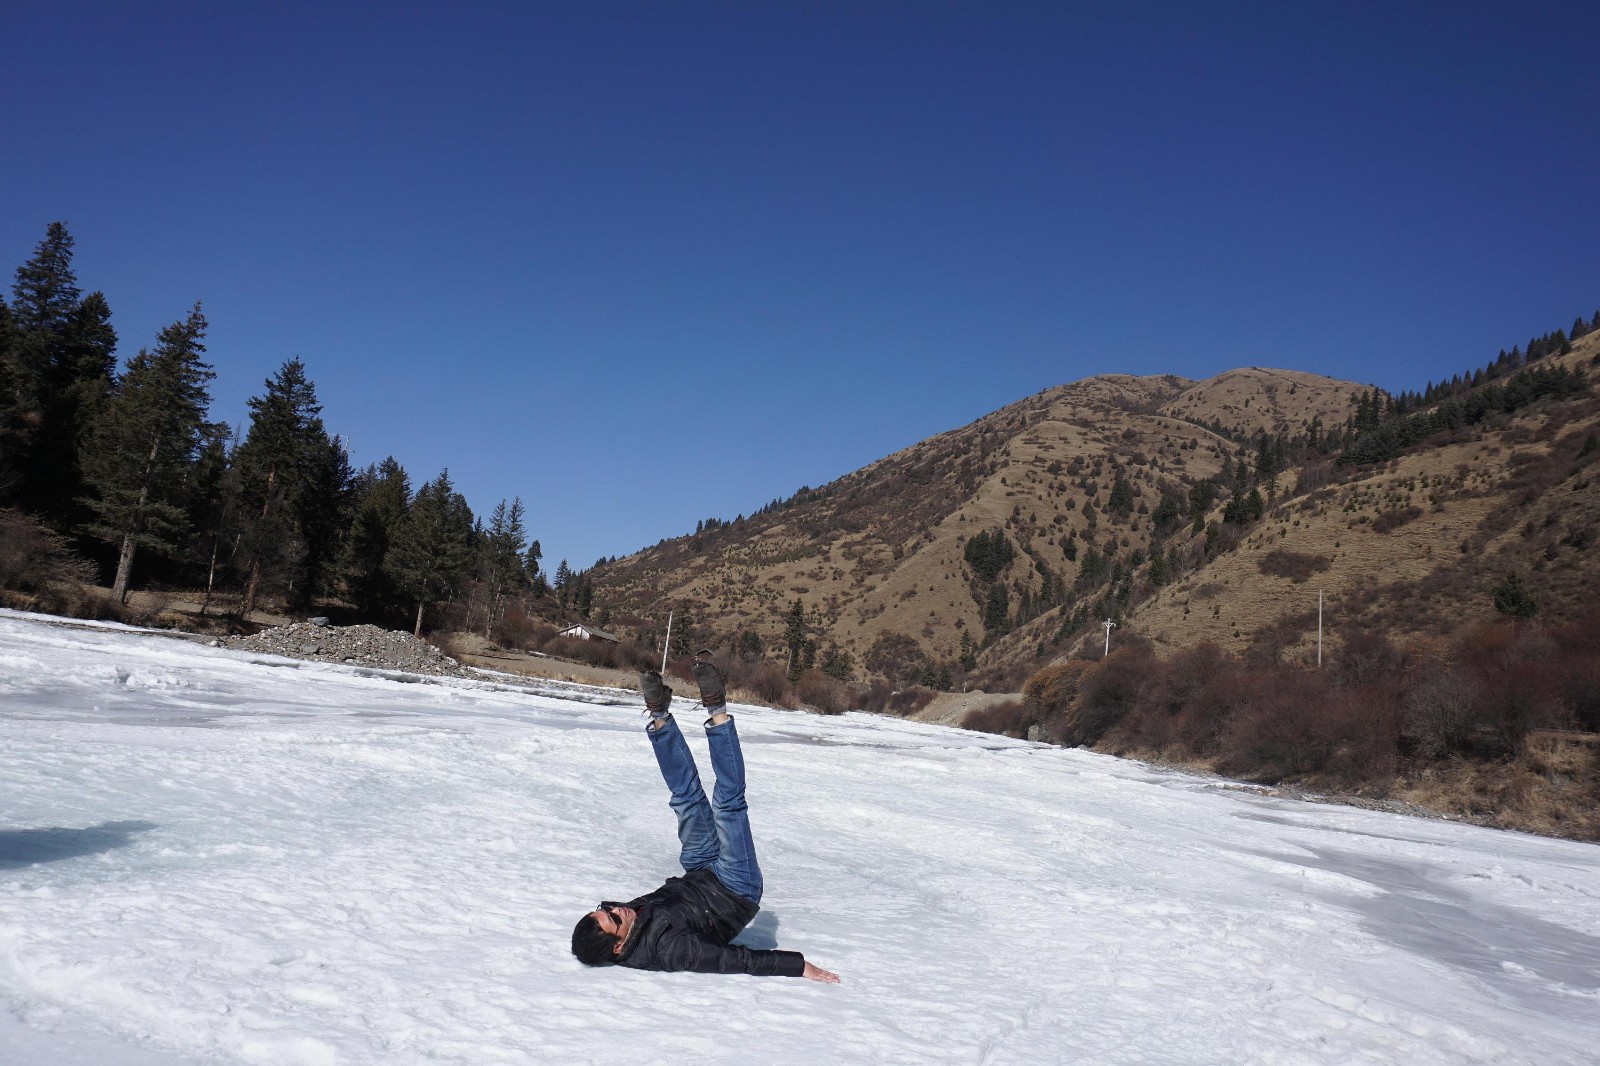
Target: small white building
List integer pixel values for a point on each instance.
(585, 631)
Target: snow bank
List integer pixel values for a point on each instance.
(208, 856)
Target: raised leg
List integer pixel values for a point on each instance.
(697, 827)
(735, 864)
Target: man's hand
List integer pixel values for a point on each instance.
(817, 973)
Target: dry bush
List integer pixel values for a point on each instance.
(1296, 566)
(768, 681)
(1106, 693)
(1365, 657)
(32, 557)
(1009, 719)
(1391, 520)
(1054, 688)
(871, 696)
(1438, 714)
(624, 656)
(1272, 641)
(520, 630)
(820, 692)
(1517, 692)
(1297, 727)
(1222, 687)
(1579, 671)
(1313, 475)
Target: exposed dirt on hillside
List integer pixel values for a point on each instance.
(881, 551)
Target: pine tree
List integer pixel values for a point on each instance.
(1121, 501)
(145, 444)
(432, 549)
(563, 582)
(59, 362)
(794, 637)
(382, 495)
(996, 612)
(211, 500)
(530, 566)
(1514, 598)
(291, 476)
(501, 564)
(968, 653)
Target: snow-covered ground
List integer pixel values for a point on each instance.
(211, 856)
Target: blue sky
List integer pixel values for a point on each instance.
(642, 264)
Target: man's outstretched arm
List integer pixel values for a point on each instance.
(695, 953)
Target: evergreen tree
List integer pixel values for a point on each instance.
(1121, 501)
(1202, 496)
(1514, 598)
(968, 656)
(293, 481)
(794, 637)
(382, 495)
(501, 564)
(13, 416)
(996, 612)
(58, 362)
(563, 582)
(211, 500)
(989, 554)
(145, 444)
(530, 567)
(432, 549)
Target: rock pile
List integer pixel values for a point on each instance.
(382, 649)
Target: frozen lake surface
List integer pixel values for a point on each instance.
(210, 856)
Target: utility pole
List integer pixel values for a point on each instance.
(1319, 629)
(668, 643)
(1109, 626)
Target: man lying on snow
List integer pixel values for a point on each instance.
(687, 923)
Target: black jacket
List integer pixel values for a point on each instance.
(686, 925)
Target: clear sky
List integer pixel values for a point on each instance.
(647, 263)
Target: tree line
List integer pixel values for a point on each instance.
(128, 468)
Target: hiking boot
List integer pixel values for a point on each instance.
(657, 696)
(713, 685)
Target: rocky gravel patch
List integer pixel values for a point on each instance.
(370, 646)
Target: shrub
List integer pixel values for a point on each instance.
(1296, 566)
(769, 682)
(1366, 656)
(897, 657)
(909, 701)
(1517, 693)
(1008, 719)
(822, 693)
(1438, 714)
(517, 629)
(1391, 520)
(1106, 693)
(32, 557)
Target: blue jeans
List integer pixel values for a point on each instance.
(714, 834)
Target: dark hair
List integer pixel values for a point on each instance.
(591, 944)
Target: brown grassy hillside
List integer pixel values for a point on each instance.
(881, 551)
(1411, 546)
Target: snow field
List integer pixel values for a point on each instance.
(212, 856)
